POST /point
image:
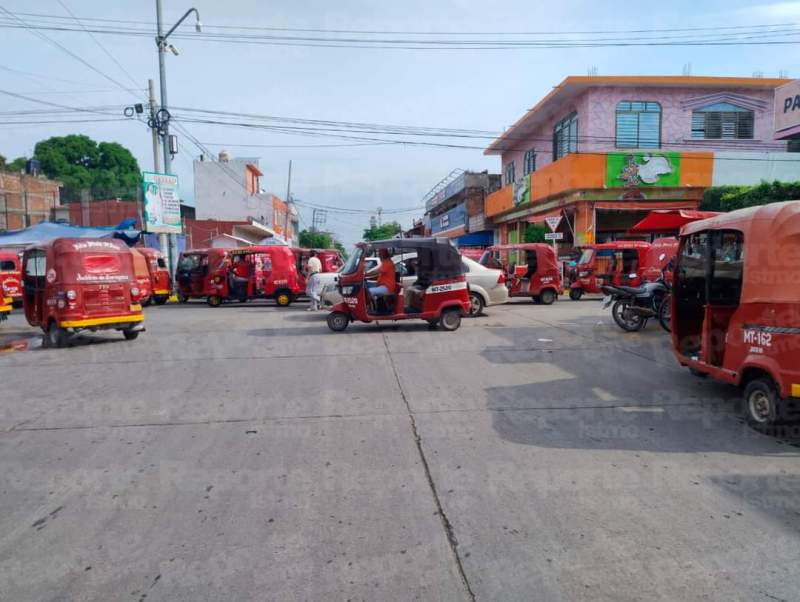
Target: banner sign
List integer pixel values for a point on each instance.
(453, 218)
(643, 169)
(522, 190)
(787, 108)
(162, 205)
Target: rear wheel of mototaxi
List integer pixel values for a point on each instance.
(214, 300)
(762, 404)
(625, 318)
(451, 319)
(547, 297)
(283, 298)
(338, 321)
(55, 336)
(575, 294)
(130, 334)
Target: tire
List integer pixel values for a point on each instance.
(146, 302)
(450, 320)
(762, 404)
(130, 335)
(575, 294)
(476, 304)
(161, 300)
(214, 300)
(547, 297)
(627, 322)
(182, 298)
(338, 321)
(665, 314)
(283, 299)
(56, 337)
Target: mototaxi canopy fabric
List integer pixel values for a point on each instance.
(670, 220)
(47, 231)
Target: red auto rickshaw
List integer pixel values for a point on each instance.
(160, 279)
(438, 295)
(619, 263)
(142, 274)
(531, 270)
(5, 302)
(736, 306)
(241, 274)
(76, 284)
(660, 253)
(11, 273)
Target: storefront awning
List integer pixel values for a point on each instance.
(668, 220)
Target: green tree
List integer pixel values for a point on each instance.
(382, 232)
(107, 170)
(534, 233)
(315, 240)
(17, 164)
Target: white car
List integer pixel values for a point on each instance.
(486, 286)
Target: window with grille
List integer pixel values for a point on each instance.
(530, 161)
(722, 121)
(565, 137)
(638, 124)
(510, 176)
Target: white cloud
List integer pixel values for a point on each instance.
(774, 12)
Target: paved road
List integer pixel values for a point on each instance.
(247, 453)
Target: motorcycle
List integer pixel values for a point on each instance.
(634, 306)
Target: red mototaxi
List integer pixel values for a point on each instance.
(142, 277)
(660, 253)
(160, 279)
(543, 286)
(11, 273)
(5, 302)
(619, 263)
(75, 284)
(438, 296)
(736, 306)
(331, 260)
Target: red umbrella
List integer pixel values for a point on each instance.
(669, 220)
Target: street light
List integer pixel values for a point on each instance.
(163, 47)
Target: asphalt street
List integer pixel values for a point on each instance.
(248, 453)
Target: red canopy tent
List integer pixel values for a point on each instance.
(670, 220)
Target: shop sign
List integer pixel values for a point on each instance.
(522, 190)
(787, 108)
(635, 169)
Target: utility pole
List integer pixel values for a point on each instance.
(288, 200)
(380, 210)
(161, 43)
(163, 239)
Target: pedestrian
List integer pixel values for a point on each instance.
(313, 268)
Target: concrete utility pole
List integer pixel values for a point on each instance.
(163, 113)
(163, 240)
(288, 206)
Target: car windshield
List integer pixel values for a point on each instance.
(586, 257)
(353, 261)
(189, 262)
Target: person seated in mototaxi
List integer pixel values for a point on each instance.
(240, 275)
(386, 283)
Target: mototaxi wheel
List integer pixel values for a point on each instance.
(575, 294)
(547, 297)
(162, 299)
(283, 299)
(762, 404)
(665, 314)
(476, 304)
(338, 321)
(625, 319)
(214, 300)
(130, 334)
(451, 319)
(56, 337)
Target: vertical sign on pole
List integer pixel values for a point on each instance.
(552, 223)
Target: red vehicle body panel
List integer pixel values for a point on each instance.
(547, 276)
(80, 283)
(331, 260)
(11, 273)
(160, 279)
(661, 251)
(142, 275)
(605, 266)
(761, 332)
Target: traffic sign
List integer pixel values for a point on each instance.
(553, 222)
(554, 236)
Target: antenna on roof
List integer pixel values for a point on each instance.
(592, 71)
(783, 74)
(687, 69)
(758, 74)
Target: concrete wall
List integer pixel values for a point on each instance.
(748, 168)
(220, 192)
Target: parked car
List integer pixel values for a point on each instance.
(486, 285)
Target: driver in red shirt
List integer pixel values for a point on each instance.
(386, 284)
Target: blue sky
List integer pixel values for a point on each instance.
(485, 90)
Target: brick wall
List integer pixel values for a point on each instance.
(26, 200)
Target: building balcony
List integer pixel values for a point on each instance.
(611, 172)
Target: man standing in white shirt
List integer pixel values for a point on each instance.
(313, 267)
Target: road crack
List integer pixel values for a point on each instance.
(446, 524)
